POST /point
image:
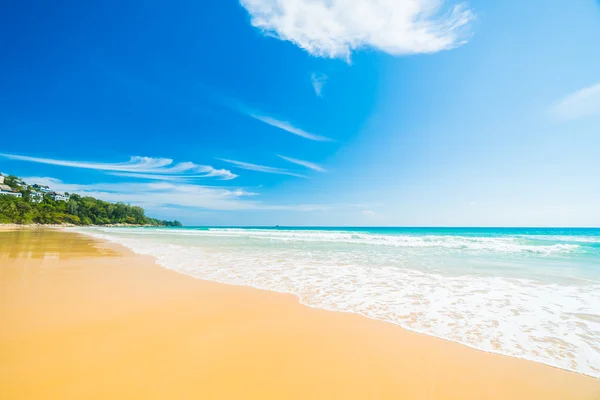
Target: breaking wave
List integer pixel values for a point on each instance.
(416, 281)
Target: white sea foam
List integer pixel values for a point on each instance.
(495, 244)
(563, 238)
(552, 323)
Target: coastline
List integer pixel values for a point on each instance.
(33, 226)
(90, 306)
(557, 333)
(11, 226)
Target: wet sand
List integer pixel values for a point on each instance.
(83, 319)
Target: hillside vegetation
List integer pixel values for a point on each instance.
(77, 210)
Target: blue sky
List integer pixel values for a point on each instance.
(310, 112)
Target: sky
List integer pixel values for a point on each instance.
(310, 112)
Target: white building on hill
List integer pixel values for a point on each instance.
(36, 197)
(8, 191)
(58, 196)
(41, 188)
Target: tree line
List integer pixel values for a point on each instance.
(77, 210)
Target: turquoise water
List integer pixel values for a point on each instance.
(526, 292)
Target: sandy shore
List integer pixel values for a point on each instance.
(81, 319)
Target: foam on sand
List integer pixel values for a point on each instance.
(83, 318)
(422, 283)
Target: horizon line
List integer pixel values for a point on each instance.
(395, 226)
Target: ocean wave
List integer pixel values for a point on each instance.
(553, 323)
(562, 238)
(492, 244)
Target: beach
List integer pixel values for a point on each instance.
(85, 318)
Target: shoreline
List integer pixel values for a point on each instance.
(496, 352)
(63, 226)
(323, 308)
(354, 355)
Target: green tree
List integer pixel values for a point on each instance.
(78, 210)
(11, 181)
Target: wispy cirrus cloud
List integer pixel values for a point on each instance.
(138, 167)
(307, 164)
(318, 80)
(334, 29)
(286, 126)
(579, 104)
(159, 196)
(261, 168)
(249, 111)
(222, 174)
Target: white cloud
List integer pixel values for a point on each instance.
(159, 196)
(307, 164)
(288, 127)
(139, 167)
(156, 194)
(261, 168)
(251, 112)
(318, 80)
(369, 213)
(335, 28)
(582, 103)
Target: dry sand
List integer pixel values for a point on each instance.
(82, 319)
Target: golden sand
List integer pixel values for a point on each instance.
(81, 319)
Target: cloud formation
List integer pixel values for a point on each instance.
(307, 164)
(335, 28)
(288, 127)
(156, 194)
(242, 108)
(160, 196)
(261, 168)
(318, 80)
(582, 103)
(139, 167)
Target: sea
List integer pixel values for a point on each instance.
(532, 293)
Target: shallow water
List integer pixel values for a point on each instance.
(529, 293)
